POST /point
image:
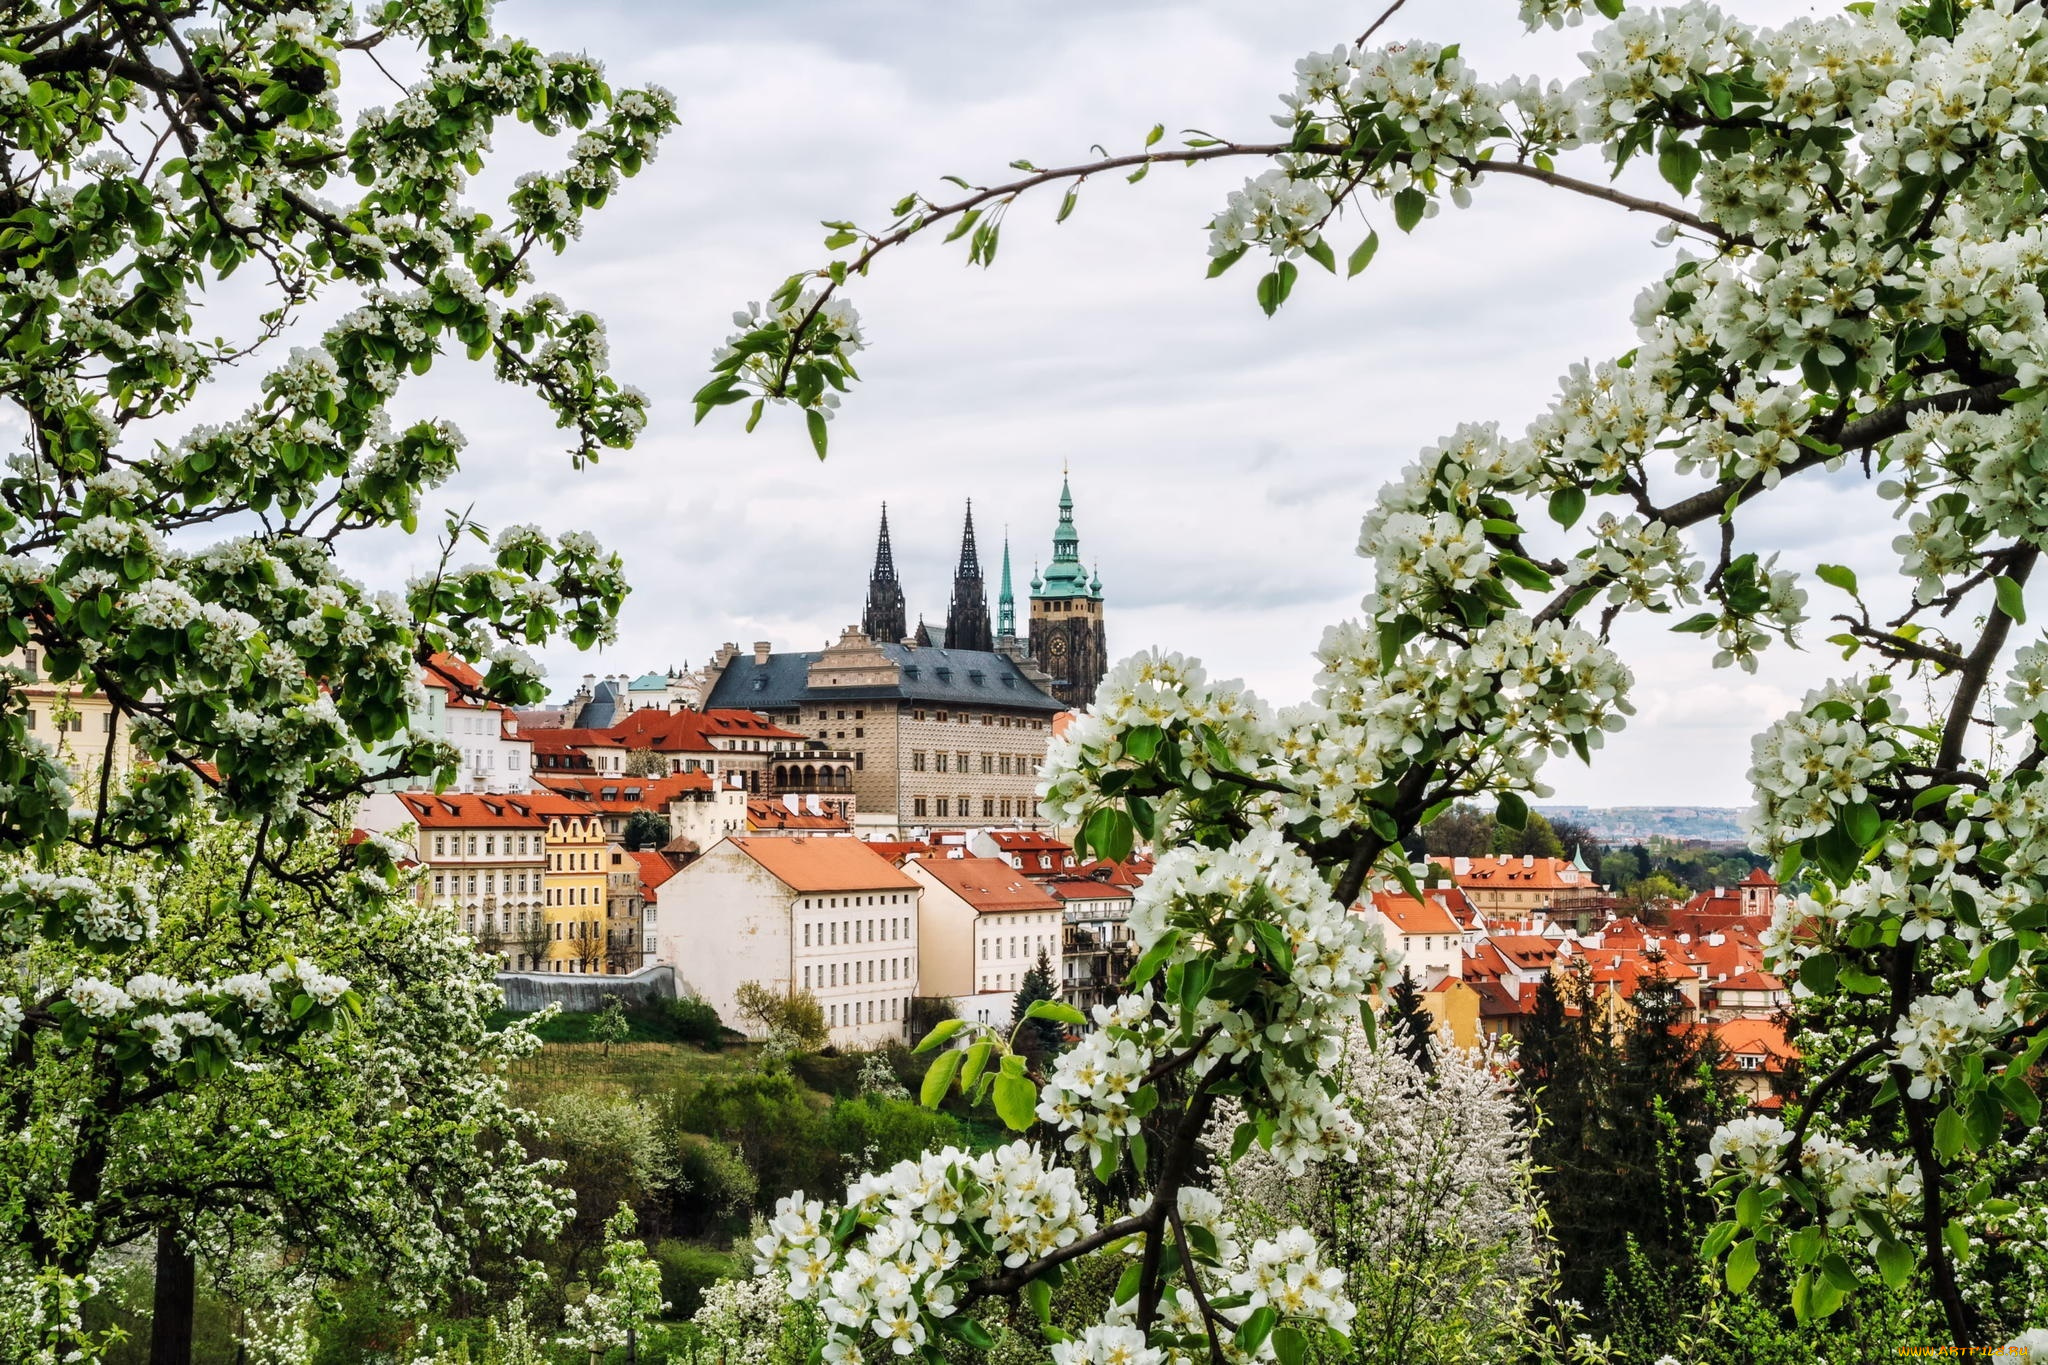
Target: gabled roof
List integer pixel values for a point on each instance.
(806, 864)
(960, 677)
(1028, 841)
(654, 870)
(1753, 1036)
(896, 850)
(990, 885)
(1506, 872)
(1083, 889)
(1131, 872)
(766, 812)
(1526, 952)
(1751, 980)
(470, 810)
(1410, 916)
(620, 794)
(1758, 877)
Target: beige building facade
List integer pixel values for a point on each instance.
(930, 738)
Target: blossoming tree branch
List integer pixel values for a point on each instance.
(1859, 200)
(186, 572)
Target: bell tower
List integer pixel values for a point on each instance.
(882, 620)
(1067, 635)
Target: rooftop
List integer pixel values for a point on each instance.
(990, 885)
(961, 677)
(807, 864)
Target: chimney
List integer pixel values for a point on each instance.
(812, 801)
(789, 799)
(762, 648)
(1528, 860)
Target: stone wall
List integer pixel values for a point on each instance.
(526, 992)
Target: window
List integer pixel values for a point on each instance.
(440, 845)
(807, 938)
(988, 763)
(440, 886)
(988, 806)
(807, 978)
(472, 845)
(917, 806)
(963, 763)
(939, 761)
(942, 808)
(917, 760)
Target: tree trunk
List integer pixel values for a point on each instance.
(170, 1329)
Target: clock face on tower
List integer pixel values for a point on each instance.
(1056, 646)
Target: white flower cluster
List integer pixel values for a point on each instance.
(1849, 1179)
(97, 912)
(1820, 758)
(902, 1272)
(1939, 1031)
(1274, 210)
(835, 316)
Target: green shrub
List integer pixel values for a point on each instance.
(691, 1019)
(687, 1271)
(715, 1189)
(874, 1133)
(777, 1126)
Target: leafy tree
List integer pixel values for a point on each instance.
(262, 687)
(645, 763)
(1040, 1038)
(1859, 293)
(535, 936)
(1578, 841)
(795, 1014)
(1409, 1025)
(1655, 887)
(645, 829)
(622, 1298)
(610, 1026)
(1623, 868)
(1536, 838)
(1460, 832)
(612, 1154)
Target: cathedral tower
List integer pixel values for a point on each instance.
(1006, 601)
(1067, 636)
(967, 624)
(882, 621)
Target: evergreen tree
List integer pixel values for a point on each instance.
(645, 829)
(1040, 1038)
(1409, 1025)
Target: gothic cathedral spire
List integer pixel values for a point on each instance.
(882, 621)
(1006, 601)
(967, 619)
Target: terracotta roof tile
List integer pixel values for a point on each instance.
(990, 885)
(807, 864)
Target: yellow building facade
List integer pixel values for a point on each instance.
(578, 879)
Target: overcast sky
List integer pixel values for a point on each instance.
(1221, 460)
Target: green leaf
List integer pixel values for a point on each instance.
(1697, 625)
(975, 1335)
(941, 1031)
(1158, 131)
(939, 1079)
(1817, 973)
(1741, 1268)
(1290, 1344)
(1567, 505)
(2010, 599)
(1039, 1295)
(1894, 1262)
(1362, 255)
(1252, 1333)
(1067, 207)
(1226, 260)
(1016, 1101)
(1108, 833)
(1749, 1206)
(976, 1063)
(1838, 576)
(1127, 1283)
(1511, 810)
(1951, 1133)
(2021, 1099)
(1714, 88)
(1057, 1010)
(815, 420)
(1142, 743)
(1679, 163)
(1610, 8)
(1148, 965)
(1322, 255)
(1862, 822)
(1408, 208)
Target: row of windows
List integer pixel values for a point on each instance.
(578, 895)
(998, 980)
(73, 722)
(858, 714)
(576, 862)
(515, 884)
(841, 902)
(446, 845)
(834, 932)
(876, 1011)
(991, 807)
(1034, 944)
(960, 761)
(987, 718)
(829, 974)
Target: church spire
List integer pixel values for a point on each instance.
(1006, 602)
(883, 618)
(967, 619)
(1066, 576)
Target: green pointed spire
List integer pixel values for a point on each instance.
(1066, 576)
(1006, 603)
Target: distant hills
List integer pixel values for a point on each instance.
(1627, 824)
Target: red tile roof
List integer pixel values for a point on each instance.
(990, 885)
(618, 795)
(471, 810)
(806, 864)
(1508, 872)
(1028, 841)
(1083, 889)
(1131, 872)
(654, 870)
(1410, 916)
(766, 812)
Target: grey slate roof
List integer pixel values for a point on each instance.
(601, 711)
(956, 677)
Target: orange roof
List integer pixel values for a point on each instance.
(765, 812)
(896, 850)
(470, 810)
(691, 731)
(1410, 916)
(1758, 877)
(1131, 872)
(1505, 871)
(1028, 841)
(990, 885)
(1084, 889)
(805, 864)
(1524, 951)
(1755, 1036)
(654, 870)
(620, 794)
(1751, 980)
